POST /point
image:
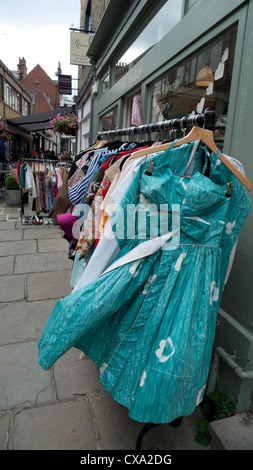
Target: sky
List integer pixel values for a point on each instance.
(39, 31)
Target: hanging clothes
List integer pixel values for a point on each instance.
(148, 321)
(97, 215)
(77, 192)
(42, 179)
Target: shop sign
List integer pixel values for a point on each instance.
(79, 44)
(65, 84)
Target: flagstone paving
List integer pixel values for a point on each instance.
(64, 408)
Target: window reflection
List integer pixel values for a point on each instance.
(201, 82)
(161, 24)
(105, 83)
(109, 120)
(12, 97)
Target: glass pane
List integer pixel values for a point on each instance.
(105, 83)
(202, 81)
(161, 24)
(109, 120)
(132, 115)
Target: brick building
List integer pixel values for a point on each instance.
(43, 89)
(15, 101)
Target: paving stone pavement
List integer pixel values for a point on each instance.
(64, 408)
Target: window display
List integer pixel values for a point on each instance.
(109, 120)
(200, 82)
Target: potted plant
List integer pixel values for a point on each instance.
(12, 192)
(65, 123)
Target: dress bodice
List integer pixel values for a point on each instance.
(200, 200)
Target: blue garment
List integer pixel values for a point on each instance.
(149, 323)
(2, 151)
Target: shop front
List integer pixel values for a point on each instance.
(157, 61)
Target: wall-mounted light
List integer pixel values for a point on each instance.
(205, 76)
(95, 88)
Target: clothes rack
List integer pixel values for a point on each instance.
(206, 119)
(56, 163)
(206, 184)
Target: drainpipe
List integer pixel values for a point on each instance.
(213, 374)
(239, 371)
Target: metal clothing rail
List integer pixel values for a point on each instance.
(44, 160)
(206, 119)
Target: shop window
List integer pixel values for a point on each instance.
(202, 81)
(85, 123)
(105, 83)
(85, 130)
(161, 24)
(109, 120)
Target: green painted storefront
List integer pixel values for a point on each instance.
(220, 32)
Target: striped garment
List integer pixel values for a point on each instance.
(77, 192)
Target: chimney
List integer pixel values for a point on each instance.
(22, 69)
(59, 69)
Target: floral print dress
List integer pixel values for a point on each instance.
(148, 322)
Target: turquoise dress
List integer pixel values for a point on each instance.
(148, 321)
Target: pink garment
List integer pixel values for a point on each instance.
(136, 111)
(66, 222)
